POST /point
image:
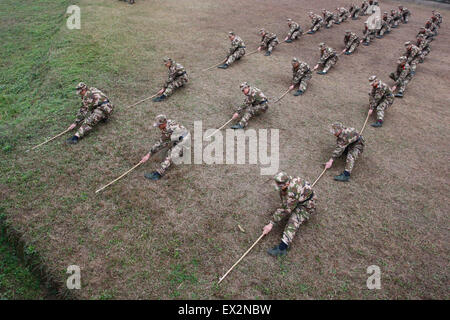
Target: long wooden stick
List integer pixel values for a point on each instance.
(216, 65)
(314, 183)
(282, 96)
(219, 129)
(143, 100)
(365, 122)
(242, 257)
(252, 52)
(65, 131)
(123, 175)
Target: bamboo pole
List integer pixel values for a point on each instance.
(60, 134)
(123, 175)
(314, 183)
(365, 122)
(216, 65)
(143, 100)
(282, 96)
(219, 129)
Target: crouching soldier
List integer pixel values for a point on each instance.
(295, 31)
(316, 23)
(401, 76)
(95, 107)
(328, 58)
(236, 52)
(328, 18)
(354, 11)
(342, 15)
(177, 77)
(175, 137)
(412, 54)
(424, 46)
(385, 26)
(380, 99)
(268, 41)
(298, 201)
(404, 14)
(349, 142)
(255, 104)
(301, 74)
(351, 42)
(369, 35)
(396, 17)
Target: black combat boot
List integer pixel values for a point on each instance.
(73, 140)
(160, 98)
(223, 66)
(344, 176)
(298, 92)
(377, 124)
(237, 126)
(153, 176)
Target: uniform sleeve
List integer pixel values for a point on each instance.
(286, 208)
(81, 114)
(158, 146)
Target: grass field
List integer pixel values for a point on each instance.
(172, 239)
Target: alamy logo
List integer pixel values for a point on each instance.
(74, 280)
(74, 20)
(374, 281)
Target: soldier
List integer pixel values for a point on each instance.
(176, 79)
(404, 13)
(268, 41)
(328, 18)
(354, 11)
(95, 107)
(298, 201)
(301, 74)
(401, 76)
(413, 55)
(349, 142)
(385, 25)
(396, 17)
(175, 137)
(236, 52)
(351, 41)
(364, 7)
(427, 33)
(343, 15)
(328, 58)
(436, 18)
(380, 98)
(316, 23)
(432, 27)
(424, 46)
(369, 35)
(295, 31)
(254, 104)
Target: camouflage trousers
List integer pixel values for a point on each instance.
(401, 85)
(342, 18)
(271, 45)
(369, 36)
(353, 151)
(329, 63)
(300, 215)
(239, 53)
(383, 105)
(316, 26)
(405, 19)
(413, 63)
(174, 154)
(296, 34)
(395, 22)
(385, 28)
(353, 46)
(178, 82)
(329, 23)
(250, 112)
(355, 14)
(424, 53)
(303, 83)
(99, 114)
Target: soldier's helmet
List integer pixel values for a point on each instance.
(231, 33)
(336, 127)
(373, 79)
(289, 20)
(159, 120)
(81, 86)
(167, 59)
(321, 45)
(244, 85)
(402, 59)
(347, 31)
(281, 178)
(295, 60)
(262, 31)
(407, 43)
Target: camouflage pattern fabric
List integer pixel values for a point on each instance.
(364, 7)
(295, 31)
(424, 46)
(402, 76)
(396, 17)
(301, 75)
(255, 104)
(269, 41)
(369, 35)
(385, 25)
(299, 202)
(427, 33)
(237, 50)
(177, 77)
(316, 22)
(413, 56)
(381, 98)
(405, 14)
(351, 42)
(328, 58)
(343, 14)
(349, 141)
(354, 11)
(328, 18)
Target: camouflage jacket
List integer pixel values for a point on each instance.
(423, 43)
(254, 97)
(298, 192)
(364, 6)
(427, 33)
(346, 138)
(326, 54)
(315, 19)
(405, 12)
(236, 44)
(353, 8)
(93, 99)
(387, 19)
(396, 15)
(294, 27)
(367, 31)
(413, 53)
(431, 26)
(327, 15)
(378, 94)
(298, 73)
(176, 70)
(343, 12)
(349, 39)
(402, 72)
(166, 134)
(268, 38)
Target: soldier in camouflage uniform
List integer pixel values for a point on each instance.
(436, 18)
(401, 76)
(432, 27)
(255, 104)
(175, 137)
(351, 42)
(95, 107)
(298, 201)
(295, 31)
(385, 25)
(424, 46)
(328, 58)
(426, 33)
(130, 2)
(396, 17)
(301, 74)
(342, 15)
(412, 53)
(316, 23)
(328, 18)
(404, 13)
(380, 98)
(354, 11)
(349, 142)
(177, 77)
(268, 41)
(236, 52)
(364, 7)
(369, 35)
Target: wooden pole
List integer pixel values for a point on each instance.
(65, 131)
(365, 122)
(219, 129)
(140, 101)
(282, 96)
(216, 65)
(242, 257)
(314, 183)
(119, 177)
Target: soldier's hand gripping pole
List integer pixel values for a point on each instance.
(123, 175)
(58, 135)
(216, 65)
(219, 129)
(143, 100)
(242, 257)
(282, 96)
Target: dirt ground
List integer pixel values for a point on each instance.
(174, 238)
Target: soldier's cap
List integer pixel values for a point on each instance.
(167, 59)
(261, 31)
(295, 60)
(347, 31)
(407, 43)
(289, 20)
(159, 119)
(373, 78)
(322, 44)
(336, 126)
(422, 28)
(81, 86)
(402, 58)
(231, 33)
(244, 85)
(385, 12)
(281, 178)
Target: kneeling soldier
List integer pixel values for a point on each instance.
(349, 141)
(316, 22)
(351, 41)
(301, 75)
(295, 31)
(328, 58)
(354, 11)
(177, 78)
(298, 201)
(255, 104)
(237, 50)
(268, 41)
(95, 107)
(401, 76)
(380, 98)
(175, 137)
